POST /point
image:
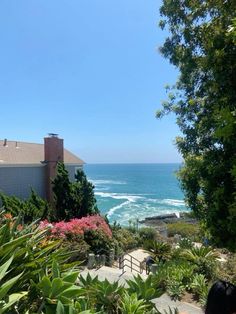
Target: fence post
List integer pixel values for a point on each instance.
(91, 261)
(111, 257)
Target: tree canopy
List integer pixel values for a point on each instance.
(202, 46)
(73, 199)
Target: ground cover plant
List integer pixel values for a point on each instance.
(184, 268)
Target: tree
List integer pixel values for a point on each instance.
(202, 46)
(84, 193)
(73, 199)
(62, 189)
(34, 207)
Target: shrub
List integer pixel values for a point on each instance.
(75, 228)
(126, 239)
(30, 209)
(185, 243)
(204, 258)
(227, 270)
(147, 234)
(161, 251)
(184, 229)
(200, 288)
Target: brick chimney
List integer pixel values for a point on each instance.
(53, 153)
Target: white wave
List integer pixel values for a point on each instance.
(167, 201)
(119, 196)
(173, 202)
(113, 209)
(104, 182)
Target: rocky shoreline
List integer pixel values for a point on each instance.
(160, 222)
(168, 218)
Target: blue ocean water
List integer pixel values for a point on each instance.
(130, 191)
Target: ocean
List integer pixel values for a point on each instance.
(129, 191)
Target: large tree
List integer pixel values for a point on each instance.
(201, 45)
(73, 199)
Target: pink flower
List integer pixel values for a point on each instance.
(77, 227)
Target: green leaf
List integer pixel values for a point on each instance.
(72, 292)
(57, 284)
(60, 308)
(4, 267)
(46, 286)
(55, 269)
(71, 277)
(7, 286)
(12, 299)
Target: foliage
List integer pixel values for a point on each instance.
(227, 270)
(30, 209)
(185, 243)
(184, 229)
(59, 292)
(131, 304)
(7, 300)
(30, 256)
(125, 239)
(174, 276)
(77, 227)
(144, 289)
(112, 298)
(161, 251)
(201, 45)
(200, 288)
(174, 311)
(204, 258)
(73, 199)
(147, 234)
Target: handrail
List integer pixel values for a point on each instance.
(133, 257)
(122, 265)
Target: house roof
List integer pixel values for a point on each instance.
(22, 153)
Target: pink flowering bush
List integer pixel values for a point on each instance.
(77, 227)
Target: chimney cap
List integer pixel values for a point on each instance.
(52, 134)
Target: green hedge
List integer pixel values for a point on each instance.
(184, 229)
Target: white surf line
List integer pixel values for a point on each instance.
(113, 209)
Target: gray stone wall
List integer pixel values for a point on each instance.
(18, 180)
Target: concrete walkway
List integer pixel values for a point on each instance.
(164, 302)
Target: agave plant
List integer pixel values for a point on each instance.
(161, 251)
(59, 292)
(200, 287)
(31, 257)
(7, 299)
(131, 304)
(204, 258)
(144, 289)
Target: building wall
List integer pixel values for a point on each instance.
(18, 180)
(72, 170)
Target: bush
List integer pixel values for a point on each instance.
(126, 239)
(186, 230)
(147, 234)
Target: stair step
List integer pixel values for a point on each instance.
(111, 274)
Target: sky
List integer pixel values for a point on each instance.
(90, 71)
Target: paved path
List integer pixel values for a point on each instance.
(164, 302)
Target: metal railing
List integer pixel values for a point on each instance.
(132, 263)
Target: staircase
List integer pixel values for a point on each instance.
(128, 266)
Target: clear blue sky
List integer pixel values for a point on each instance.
(90, 71)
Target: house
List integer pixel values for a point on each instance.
(28, 165)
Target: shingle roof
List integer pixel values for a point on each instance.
(29, 153)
